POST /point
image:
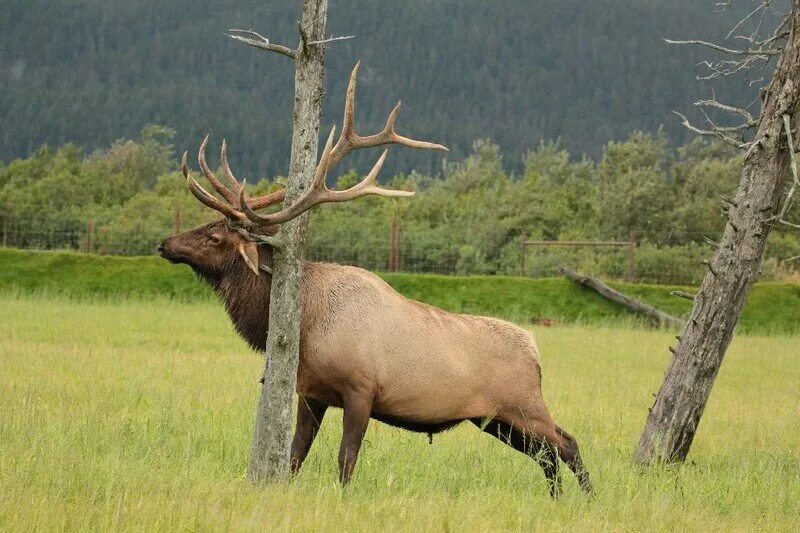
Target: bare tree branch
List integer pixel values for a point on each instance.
(789, 224)
(332, 39)
(257, 40)
(710, 241)
(725, 68)
(757, 53)
(731, 51)
(787, 124)
(738, 25)
(779, 218)
(712, 133)
(727, 108)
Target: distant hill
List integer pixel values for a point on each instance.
(517, 71)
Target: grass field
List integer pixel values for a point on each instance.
(137, 416)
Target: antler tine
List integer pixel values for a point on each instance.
(396, 138)
(223, 158)
(268, 199)
(367, 186)
(349, 140)
(203, 195)
(255, 203)
(348, 120)
(324, 165)
(314, 195)
(226, 193)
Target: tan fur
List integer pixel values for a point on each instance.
(420, 363)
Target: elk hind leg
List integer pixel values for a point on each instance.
(543, 452)
(357, 409)
(570, 454)
(537, 423)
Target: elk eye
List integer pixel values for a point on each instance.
(214, 239)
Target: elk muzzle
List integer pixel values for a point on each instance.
(173, 251)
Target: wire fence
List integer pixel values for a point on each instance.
(398, 252)
(84, 238)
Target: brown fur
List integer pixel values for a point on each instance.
(366, 348)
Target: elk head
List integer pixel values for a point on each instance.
(213, 249)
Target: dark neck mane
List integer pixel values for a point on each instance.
(246, 299)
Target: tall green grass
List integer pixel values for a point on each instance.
(772, 307)
(137, 416)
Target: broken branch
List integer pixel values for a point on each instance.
(257, 40)
(332, 39)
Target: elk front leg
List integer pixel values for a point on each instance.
(357, 410)
(309, 417)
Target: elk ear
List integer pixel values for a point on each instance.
(249, 252)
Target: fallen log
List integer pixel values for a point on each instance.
(659, 317)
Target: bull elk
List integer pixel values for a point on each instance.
(364, 347)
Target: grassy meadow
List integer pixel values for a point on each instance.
(136, 415)
(771, 307)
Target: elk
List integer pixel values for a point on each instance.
(364, 347)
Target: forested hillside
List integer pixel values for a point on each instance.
(515, 71)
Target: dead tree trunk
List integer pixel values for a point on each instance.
(673, 419)
(269, 451)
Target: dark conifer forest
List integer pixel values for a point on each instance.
(92, 71)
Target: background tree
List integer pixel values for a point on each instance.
(54, 193)
(703, 174)
(634, 194)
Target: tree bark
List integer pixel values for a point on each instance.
(269, 452)
(661, 318)
(673, 419)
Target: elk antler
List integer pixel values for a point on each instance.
(233, 209)
(348, 141)
(243, 208)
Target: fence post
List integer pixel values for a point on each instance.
(632, 257)
(397, 258)
(394, 247)
(522, 251)
(89, 231)
(177, 220)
